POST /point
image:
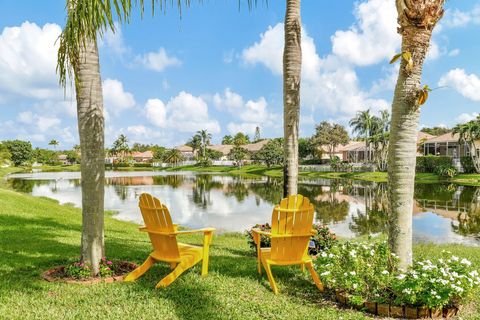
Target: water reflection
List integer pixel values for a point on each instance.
(442, 212)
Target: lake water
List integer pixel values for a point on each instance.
(443, 213)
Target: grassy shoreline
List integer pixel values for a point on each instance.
(277, 172)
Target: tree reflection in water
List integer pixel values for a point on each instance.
(202, 186)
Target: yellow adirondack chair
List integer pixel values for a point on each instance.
(163, 236)
(291, 230)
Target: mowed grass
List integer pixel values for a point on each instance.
(37, 234)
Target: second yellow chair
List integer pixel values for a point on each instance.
(292, 222)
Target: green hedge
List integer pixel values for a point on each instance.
(467, 165)
(142, 165)
(428, 164)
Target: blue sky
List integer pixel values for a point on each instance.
(219, 68)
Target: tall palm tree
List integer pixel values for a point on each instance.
(120, 147)
(54, 143)
(469, 133)
(205, 139)
(78, 57)
(195, 143)
(363, 123)
(416, 22)
(292, 66)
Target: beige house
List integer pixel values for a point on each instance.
(226, 148)
(447, 145)
(142, 157)
(186, 151)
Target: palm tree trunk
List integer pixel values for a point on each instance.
(292, 65)
(91, 131)
(403, 143)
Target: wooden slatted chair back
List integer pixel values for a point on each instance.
(157, 218)
(293, 217)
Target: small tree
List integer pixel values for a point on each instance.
(330, 135)
(241, 139)
(227, 139)
(306, 148)
(158, 153)
(173, 156)
(469, 133)
(21, 151)
(72, 157)
(271, 153)
(5, 155)
(238, 154)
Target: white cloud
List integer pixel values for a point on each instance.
(229, 100)
(25, 117)
(158, 61)
(28, 58)
(327, 84)
(455, 18)
(454, 52)
(466, 117)
(115, 98)
(46, 123)
(468, 85)
(183, 113)
(373, 38)
(156, 112)
(247, 128)
(114, 40)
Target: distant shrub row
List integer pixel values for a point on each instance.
(429, 164)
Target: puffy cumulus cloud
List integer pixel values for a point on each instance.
(468, 85)
(114, 40)
(28, 58)
(247, 128)
(360, 44)
(229, 100)
(38, 128)
(252, 113)
(328, 83)
(156, 112)
(466, 117)
(158, 61)
(269, 50)
(183, 113)
(144, 134)
(115, 98)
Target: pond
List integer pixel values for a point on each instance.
(443, 213)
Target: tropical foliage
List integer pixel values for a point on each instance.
(330, 135)
(469, 133)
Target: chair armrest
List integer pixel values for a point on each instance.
(264, 233)
(203, 230)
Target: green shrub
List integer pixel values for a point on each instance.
(467, 165)
(369, 272)
(142, 165)
(427, 164)
(446, 171)
(204, 162)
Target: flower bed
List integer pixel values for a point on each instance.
(366, 276)
(78, 272)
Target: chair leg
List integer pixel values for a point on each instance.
(302, 267)
(173, 265)
(206, 251)
(172, 276)
(315, 277)
(137, 273)
(268, 269)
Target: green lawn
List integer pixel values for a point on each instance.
(37, 234)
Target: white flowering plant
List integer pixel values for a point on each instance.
(362, 269)
(442, 282)
(368, 271)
